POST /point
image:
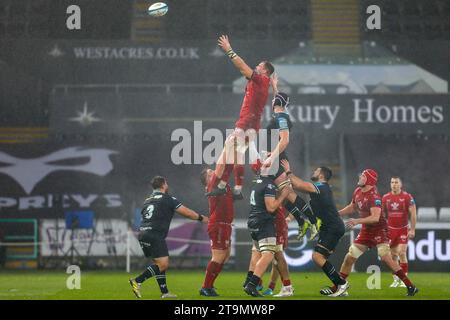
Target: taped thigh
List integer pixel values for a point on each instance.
(268, 244)
(383, 249)
(354, 251)
(322, 251)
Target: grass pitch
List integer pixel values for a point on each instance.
(108, 285)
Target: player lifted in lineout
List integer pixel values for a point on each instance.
(157, 213)
(397, 205)
(221, 214)
(280, 124)
(374, 232)
(248, 124)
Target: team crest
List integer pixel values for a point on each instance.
(394, 206)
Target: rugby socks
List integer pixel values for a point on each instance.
(305, 209)
(332, 274)
(161, 279)
(249, 277)
(151, 271)
(286, 283)
(238, 174)
(404, 267)
(255, 281)
(401, 274)
(343, 275)
(212, 271)
(272, 285)
(295, 212)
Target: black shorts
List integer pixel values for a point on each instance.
(153, 245)
(261, 229)
(329, 237)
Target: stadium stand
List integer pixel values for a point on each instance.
(426, 214)
(444, 215)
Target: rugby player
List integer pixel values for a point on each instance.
(221, 215)
(332, 227)
(374, 232)
(264, 204)
(281, 123)
(279, 264)
(157, 213)
(397, 206)
(256, 93)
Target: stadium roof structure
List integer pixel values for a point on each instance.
(376, 71)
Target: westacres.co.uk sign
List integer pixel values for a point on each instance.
(47, 180)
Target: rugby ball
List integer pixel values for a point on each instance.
(158, 9)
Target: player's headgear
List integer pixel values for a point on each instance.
(281, 99)
(371, 177)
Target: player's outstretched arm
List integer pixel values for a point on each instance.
(274, 84)
(238, 62)
(349, 209)
(191, 214)
(296, 182)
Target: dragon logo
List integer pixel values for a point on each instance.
(29, 172)
(394, 206)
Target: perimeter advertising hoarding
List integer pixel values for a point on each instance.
(162, 112)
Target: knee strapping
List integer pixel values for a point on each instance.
(383, 249)
(355, 252)
(322, 251)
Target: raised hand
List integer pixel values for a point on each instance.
(274, 83)
(285, 165)
(224, 43)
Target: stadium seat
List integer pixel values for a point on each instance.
(2, 12)
(411, 9)
(240, 30)
(259, 8)
(17, 11)
(260, 31)
(444, 215)
(427, 214)
(390, 8)
(430, 9)
(413, 29)
(39, 30)
(280, 7)
(15, 30)
(432, 31)
(238, 8)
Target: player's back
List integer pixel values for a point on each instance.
(261, 188)
(366, 200)
(157, 212)
(323, 205)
